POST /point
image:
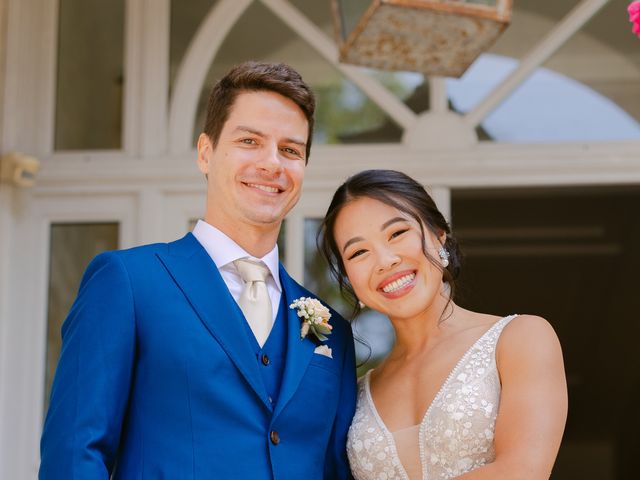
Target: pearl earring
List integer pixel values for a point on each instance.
(361, 304)
(444, 257)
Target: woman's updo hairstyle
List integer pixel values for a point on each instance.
(400, 191)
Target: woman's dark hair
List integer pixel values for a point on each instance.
(400, 191)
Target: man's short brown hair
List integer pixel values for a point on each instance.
(255, 76)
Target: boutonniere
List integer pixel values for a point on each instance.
(314, 317)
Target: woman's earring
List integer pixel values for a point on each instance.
(361, 304)
(444, 257)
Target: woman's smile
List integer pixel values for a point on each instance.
(398, 284)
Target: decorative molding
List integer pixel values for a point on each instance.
(6, 222)
(488, 164)
(179, 207)
(441, 130)
(147, 77)
(294, 244)
(442, 197)
(3, 66)
(24, 324)
(149, 225)
(30, 73)
(438, 98)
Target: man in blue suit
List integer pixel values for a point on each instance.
(161, 374)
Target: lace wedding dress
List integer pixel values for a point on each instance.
(456, 432)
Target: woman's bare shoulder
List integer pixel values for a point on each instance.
(528, 336)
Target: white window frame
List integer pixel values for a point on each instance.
(152, 186)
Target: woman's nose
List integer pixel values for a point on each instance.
(387, 259)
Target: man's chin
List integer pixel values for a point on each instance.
(266, 219)
(268, 214)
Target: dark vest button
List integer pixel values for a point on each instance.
(275, 438)
(265, 359)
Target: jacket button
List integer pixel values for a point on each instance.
(275, 438)
(265, 360)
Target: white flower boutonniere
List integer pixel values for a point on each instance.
(314, 316)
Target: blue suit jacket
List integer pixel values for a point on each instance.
(157, 380)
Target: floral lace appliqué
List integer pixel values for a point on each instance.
(456, 433)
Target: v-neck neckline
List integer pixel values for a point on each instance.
(389, 435)
(443, 386)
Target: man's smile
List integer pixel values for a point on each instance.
(264, 188)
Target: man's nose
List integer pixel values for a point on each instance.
(270, 160)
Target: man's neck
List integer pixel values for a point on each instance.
(254, 240)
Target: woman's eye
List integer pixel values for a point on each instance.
(248, 141)
(398, 233)
(357, 253)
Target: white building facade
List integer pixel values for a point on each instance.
(108, 96)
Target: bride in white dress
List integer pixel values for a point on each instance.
(462, 394)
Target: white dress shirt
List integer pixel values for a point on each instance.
(224, 251)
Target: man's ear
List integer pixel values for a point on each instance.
(205, 148)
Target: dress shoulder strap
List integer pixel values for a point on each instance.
(503, 322)
(490, 338)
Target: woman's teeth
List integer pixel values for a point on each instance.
(399, 283)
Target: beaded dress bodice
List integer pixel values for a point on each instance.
(456, 432)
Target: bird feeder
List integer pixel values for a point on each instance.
(435, 37)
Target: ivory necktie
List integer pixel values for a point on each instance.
(254, 300)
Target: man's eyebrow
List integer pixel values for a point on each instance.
(296, 141)
(351, 241)
(242, 128)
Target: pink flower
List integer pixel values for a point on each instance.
(634, 16)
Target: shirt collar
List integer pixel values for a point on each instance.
(223, 250)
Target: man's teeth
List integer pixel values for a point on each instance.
(264, 188)
(398, 284)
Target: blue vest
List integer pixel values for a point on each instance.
(271, 357)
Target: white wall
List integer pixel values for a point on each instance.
(152, 186)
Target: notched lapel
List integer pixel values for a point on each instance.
(197, 276)
(299, 351)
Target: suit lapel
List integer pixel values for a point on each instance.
(197, 276)
(299, 352)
